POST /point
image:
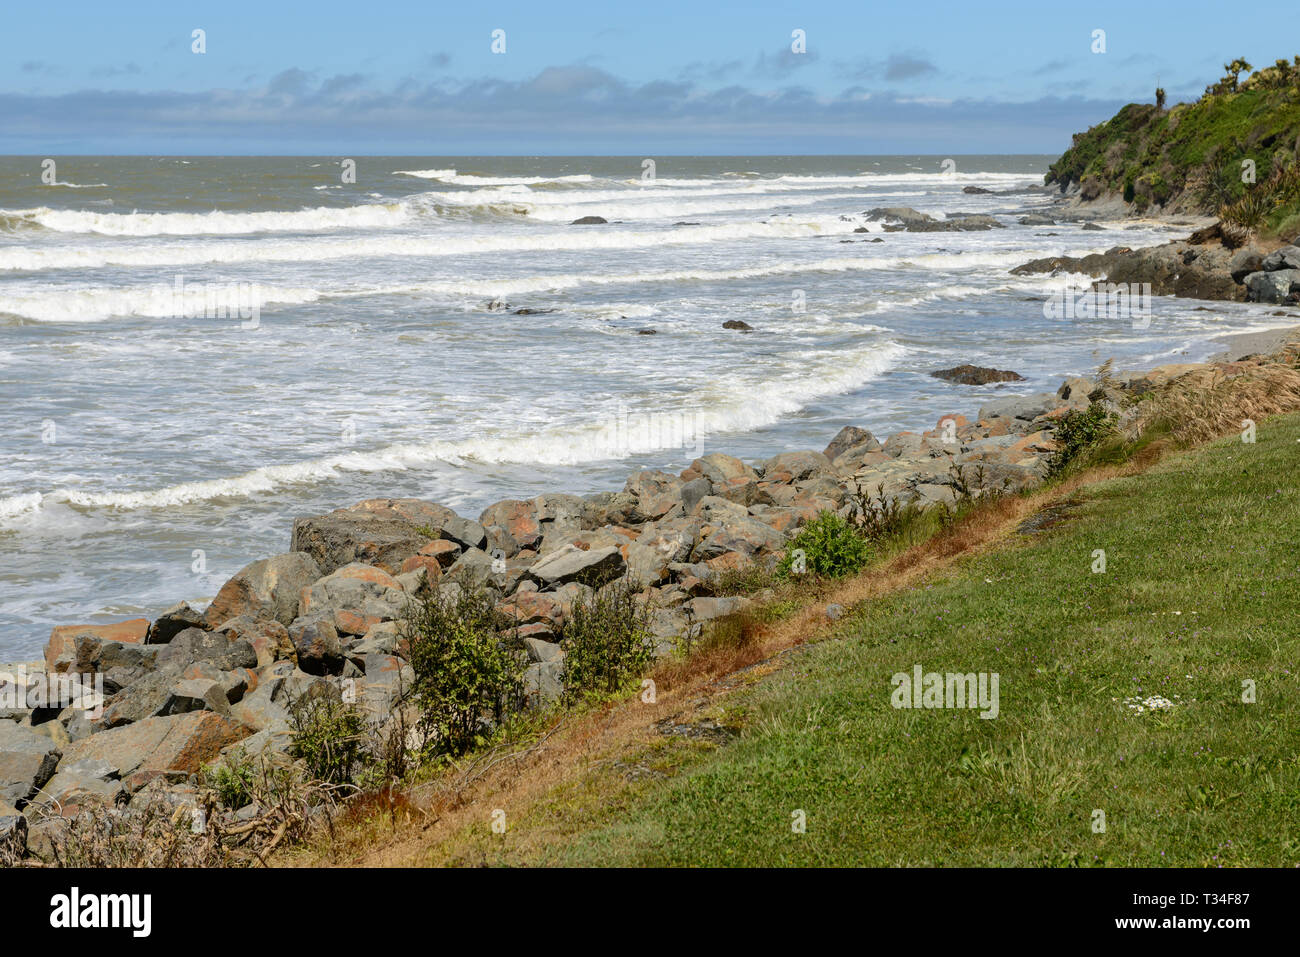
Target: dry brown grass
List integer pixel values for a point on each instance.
(1207, 403)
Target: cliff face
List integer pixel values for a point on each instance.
(1232, 153)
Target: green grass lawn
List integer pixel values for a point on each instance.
(1199, 594)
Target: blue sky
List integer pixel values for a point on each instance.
(658, 76)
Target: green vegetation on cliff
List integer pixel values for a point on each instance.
(1198, 156)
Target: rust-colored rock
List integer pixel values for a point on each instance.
(61, 650)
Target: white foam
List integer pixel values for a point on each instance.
(471, 179)
(97, 303)
(368, 246)
(737, 402)
(216, 222)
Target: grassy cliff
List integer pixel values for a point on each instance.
(1197, 156)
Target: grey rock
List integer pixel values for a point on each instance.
(381, 532)
(172, 622)
(317, 643)
(593, 567)
(355, 598)
(850, 437)
(539, 650)
(196, 694)
(195, 644)
(269, 589)
(1288, 257)
(27, 762)
(1244, 262)
(707, 609)
(544, 682)
(1020, 408)
(1272, 287)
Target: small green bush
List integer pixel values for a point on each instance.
(468, 674)
(831, 547)
(607, 642)
(329, 737)
(1080, 430)
(232, 779)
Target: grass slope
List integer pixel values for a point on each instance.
(1201, 591)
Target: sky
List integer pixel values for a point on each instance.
(618, 78)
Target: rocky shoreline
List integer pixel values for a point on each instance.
(324, 618)
(115, 710)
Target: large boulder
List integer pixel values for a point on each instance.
(27, 761)
(719, 469)
(172, 622)
(177, 745)
(1244, 262)
(269, 639)
(518, 523)
(119, 662)
(1020, 411)
(796, 466)
(1288, 257)
(220, 648)
(657, 494)
(354, 598)
(269, 588)
(383, 532)
(745, 536)
(850, 437)
(61, 650)
(594, 567)
(1277, 287)
(76, 783)
(316, 641)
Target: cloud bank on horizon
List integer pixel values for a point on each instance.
(666, 77)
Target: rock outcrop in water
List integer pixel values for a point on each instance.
(1201, 267)
(906, 219)
(976, 375)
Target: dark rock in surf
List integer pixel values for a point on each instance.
(589, 221)
(737, 324)
(976, 375)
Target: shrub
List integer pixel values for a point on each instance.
(882, 518)
(607, 642)
(328, 736)
(831, 548)
(232, 780)
(1080, 430)
(467, 673)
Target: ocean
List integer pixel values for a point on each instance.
(195, 350)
